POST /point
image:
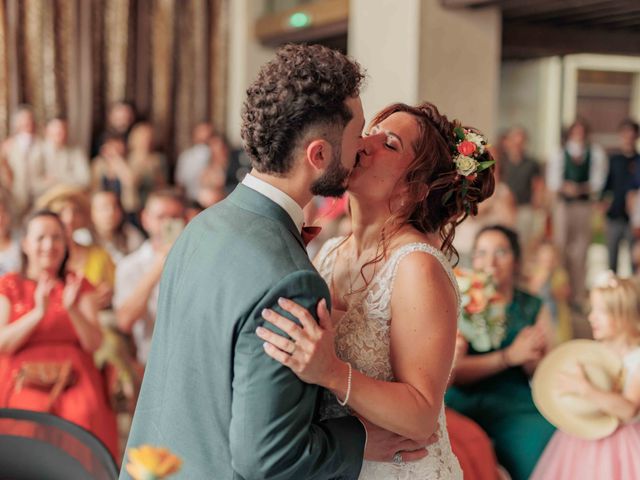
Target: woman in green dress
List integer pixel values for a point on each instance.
(492, 387)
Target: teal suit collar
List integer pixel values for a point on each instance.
(248, 199)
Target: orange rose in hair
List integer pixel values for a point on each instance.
(467, 147)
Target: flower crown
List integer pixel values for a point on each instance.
(469, 147)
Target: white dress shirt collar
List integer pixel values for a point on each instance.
(278, 196)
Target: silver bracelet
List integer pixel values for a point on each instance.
(346, 397)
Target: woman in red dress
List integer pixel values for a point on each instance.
(49, 316)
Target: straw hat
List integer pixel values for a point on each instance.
(62, 193)
(574, 414)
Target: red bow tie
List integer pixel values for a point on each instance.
(309, 233)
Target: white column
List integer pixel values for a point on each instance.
(384, 37)
(417, 50)
(460, 63)
(530, 97)
(246, 56)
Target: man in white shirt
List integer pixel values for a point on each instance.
(576, 174)
(63, 163)
(135, 298)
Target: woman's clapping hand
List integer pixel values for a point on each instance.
(42, 292)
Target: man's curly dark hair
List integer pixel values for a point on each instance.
(303, 87)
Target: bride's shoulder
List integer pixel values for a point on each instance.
(413, 238)
(404, 255)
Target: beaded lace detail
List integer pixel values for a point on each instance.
(362, 338)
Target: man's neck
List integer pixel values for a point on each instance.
(293, 187)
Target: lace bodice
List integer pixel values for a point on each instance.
(362, 338)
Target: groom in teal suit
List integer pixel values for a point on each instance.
(210, 393)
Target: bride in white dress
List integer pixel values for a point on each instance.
(386, 350)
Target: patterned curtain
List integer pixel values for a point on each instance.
(77, 57)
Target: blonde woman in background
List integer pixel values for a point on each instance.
(91, 261)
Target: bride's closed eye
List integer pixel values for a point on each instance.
(388, 141)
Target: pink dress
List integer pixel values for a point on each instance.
(616, 457)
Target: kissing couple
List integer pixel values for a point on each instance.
(264, 365)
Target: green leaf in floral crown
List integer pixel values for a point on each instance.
(446, 197)
(484, 165)
(465, 187)
(459, 131)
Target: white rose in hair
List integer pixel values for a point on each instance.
(466, 165)
(477, 139)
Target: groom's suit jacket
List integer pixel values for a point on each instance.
(210, 393)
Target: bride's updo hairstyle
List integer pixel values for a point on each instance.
(450, 175)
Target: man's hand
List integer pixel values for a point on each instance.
(382, 445)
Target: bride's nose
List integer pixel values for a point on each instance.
(372, 141)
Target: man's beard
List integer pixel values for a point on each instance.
(333, 182)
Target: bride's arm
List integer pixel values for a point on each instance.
(423, 331)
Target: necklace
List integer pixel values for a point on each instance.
(353, 279)
(350, 276)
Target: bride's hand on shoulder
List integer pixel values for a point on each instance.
(309, 349)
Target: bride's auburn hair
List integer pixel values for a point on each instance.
(428, 205)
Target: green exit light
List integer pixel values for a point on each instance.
(299, 20)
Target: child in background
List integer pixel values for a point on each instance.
(550, 281)
(615, 320)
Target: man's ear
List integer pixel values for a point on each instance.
(319, 154)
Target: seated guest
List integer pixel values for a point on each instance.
(212, 186)
(492, 388)
(63, 163)
(120, 119)
(138, 274)
(194, 161)
(49, 323)
(149, 166)
(88, 260)
(112, 231)
(111, 171)
(550, 281)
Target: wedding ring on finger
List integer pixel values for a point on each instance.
(293, 349)
(397, 459)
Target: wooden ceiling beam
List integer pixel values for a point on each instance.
(546, 8)
(604, 13)
(521, 40)
(468, 3)
(632, 21)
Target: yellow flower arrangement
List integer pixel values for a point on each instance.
(152, 463)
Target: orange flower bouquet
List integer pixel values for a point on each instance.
(482, 322)
(152, 463)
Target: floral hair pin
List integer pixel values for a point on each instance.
(470, 146)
